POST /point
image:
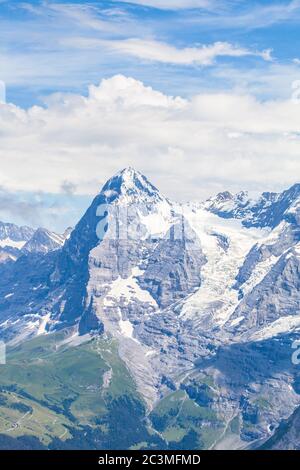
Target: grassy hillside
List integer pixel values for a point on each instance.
(61, 395)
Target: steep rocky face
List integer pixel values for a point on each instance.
(112, 238)
(266, 252)
(174, 267)
(275, 299)
(125, 234)
(286, 436)
(126, 189)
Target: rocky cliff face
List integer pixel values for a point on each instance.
(286, 436)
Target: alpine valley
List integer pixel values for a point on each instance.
(153, 324)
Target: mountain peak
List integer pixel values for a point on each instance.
(130, 174)
(14, 232)
(131, 184)
(43, 241)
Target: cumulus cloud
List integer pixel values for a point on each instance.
(190, 148)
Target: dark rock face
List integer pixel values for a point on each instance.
(174, 268)
(276, 296)
(286, 436)
(287, 238)
(89, 322)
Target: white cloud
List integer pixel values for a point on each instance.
(84, 15)
(156, 51)
(189, 148)
(172, 4)
(252, 15)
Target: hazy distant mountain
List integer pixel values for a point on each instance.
(11, 234)
(16, 241)
(12, 240)
(43, 241)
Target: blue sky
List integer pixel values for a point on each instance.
(232, 64)
(64, 46)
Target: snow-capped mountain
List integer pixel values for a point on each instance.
(267, 211)
(14, 236)
(12, 240)
(16, 241)
(43, 241)
(192, 294)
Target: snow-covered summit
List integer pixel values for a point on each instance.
(267, 210)
(43, 241)
(12, 240)
(131, 185)
(13, 235)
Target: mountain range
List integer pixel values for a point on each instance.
(153, 324)
(15, 241)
